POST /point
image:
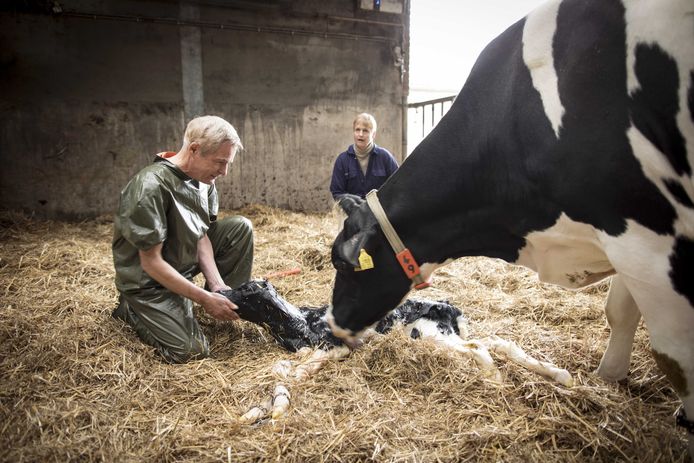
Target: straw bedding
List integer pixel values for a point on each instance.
(77, 385)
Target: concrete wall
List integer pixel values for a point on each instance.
(92, 89)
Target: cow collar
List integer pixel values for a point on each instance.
(402, 254)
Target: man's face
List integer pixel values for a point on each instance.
(362, 135)
(207, 167)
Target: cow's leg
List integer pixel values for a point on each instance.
(623, 317)
(673, 350)
(669, 317)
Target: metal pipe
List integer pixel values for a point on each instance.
(226, 26)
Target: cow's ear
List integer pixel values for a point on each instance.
(348, 251)
(348, 202)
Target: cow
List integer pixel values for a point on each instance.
(569, 150)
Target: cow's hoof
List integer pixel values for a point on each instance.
(611, 375)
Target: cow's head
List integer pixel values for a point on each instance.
(362, 295)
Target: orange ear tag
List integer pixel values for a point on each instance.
(365, 261)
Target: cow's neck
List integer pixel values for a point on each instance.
(439, 203)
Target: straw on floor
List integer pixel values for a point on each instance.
(77, 385)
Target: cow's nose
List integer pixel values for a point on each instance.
(347, 336)
(343, 333)
(337, 330)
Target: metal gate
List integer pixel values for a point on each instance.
(422, 117)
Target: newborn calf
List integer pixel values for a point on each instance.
(305, 329)
(295, 328)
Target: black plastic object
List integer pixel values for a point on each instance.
(291, 327)
(294, 328)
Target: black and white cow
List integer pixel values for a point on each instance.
(569, 150)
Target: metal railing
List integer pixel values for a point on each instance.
(423, 116)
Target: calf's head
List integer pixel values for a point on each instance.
(363, 293)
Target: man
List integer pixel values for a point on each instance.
(166, 232)
(364, 166)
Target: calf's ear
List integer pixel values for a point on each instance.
(348, 202)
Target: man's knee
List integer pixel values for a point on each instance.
(239, 229)
(168, 325)
(232, 241)
(197, 349)
(179, 342)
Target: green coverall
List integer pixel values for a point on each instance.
(162, 204)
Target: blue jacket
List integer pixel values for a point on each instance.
(348, 177)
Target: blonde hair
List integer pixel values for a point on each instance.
(210, 132)
(368, 119)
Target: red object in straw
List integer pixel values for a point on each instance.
(283, 273)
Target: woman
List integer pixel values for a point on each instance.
(364, 166)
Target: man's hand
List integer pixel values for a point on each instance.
(219, 307)
(215, 305)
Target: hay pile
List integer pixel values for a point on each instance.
(76, 384)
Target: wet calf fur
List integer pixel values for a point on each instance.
(294, 328)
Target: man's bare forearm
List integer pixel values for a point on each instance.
(208, 266)
(214, 304)
(161, 271)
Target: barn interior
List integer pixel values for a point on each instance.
(93, 88)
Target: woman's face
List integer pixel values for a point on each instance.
(362, 135)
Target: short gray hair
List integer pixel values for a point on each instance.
(368, 118)
(210, 132)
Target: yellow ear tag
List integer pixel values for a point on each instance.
(365, 261)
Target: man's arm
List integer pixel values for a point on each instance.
(208, 266)
(156, 267)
